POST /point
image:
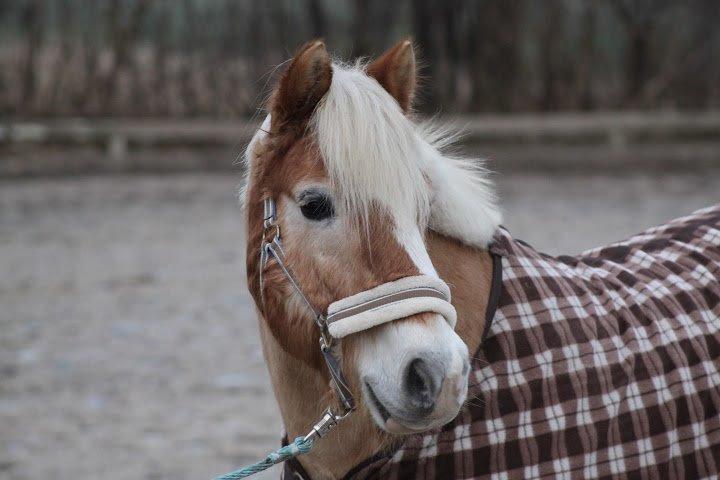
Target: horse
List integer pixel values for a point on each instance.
(394, 307)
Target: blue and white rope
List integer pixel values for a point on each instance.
(297, 447)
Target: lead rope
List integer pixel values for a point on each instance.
(301, 445)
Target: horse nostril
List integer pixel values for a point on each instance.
(422, 384)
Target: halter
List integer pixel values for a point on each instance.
(382, 304)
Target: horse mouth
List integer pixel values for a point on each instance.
(384, 413)
(390, 423)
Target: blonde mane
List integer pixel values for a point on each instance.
(369, 146)
(374, 153)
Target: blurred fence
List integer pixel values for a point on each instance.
(561, 141)
(214, 58)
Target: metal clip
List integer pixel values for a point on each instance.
(321, 428)
(328, 421)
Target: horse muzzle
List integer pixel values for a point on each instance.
(414, 375)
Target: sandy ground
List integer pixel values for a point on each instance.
(128, 344)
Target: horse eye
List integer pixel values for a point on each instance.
(317, 208)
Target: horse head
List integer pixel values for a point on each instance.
(355, 184)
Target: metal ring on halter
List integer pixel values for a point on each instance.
(321, 322)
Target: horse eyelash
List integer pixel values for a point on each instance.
(309, 196)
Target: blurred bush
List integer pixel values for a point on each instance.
(216, 58)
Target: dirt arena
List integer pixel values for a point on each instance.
(128, 344)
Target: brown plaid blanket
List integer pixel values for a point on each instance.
(601, 365)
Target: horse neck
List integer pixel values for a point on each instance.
(468, 271)
(301, 391)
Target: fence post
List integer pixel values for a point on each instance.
(117, 149)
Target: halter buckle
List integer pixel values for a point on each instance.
(269, 222)
(269, 212)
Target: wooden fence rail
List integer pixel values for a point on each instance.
(616, 138)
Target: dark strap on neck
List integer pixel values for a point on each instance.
(494, 296)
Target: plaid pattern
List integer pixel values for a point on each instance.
(601, 365)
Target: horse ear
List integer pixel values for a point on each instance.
(302, 85)
(395, 71)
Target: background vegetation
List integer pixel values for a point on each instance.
(215, 58)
